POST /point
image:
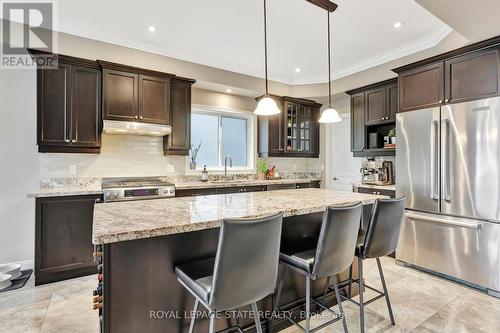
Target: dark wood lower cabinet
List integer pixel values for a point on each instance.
(242, 189)
(367, 190)
(63, 238)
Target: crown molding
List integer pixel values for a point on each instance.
(222, 64)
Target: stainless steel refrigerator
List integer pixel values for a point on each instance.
(448, 161)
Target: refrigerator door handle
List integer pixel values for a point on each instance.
(434, 160)
(446, 158)
(461, 224)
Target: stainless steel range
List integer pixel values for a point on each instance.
(123, 189)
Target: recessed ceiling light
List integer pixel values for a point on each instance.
(152, 28)
(397, 25)
(229, 91)
(297, 70)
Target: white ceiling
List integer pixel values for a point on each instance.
(228, 34)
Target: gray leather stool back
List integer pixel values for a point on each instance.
(337, 240)
(383, 229)
(246, 264)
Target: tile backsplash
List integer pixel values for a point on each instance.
(141, 156)
(121, 156)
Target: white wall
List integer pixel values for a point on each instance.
(19, 166)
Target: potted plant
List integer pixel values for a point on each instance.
(194, 153)
(392, 135)
(261, 169)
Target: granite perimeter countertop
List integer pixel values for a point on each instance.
(122, 221)
(236, 183)
(88, 188)
(378, 187)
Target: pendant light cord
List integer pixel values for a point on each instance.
(329, 65)
(265, 44)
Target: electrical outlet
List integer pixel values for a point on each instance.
(170, 167)
(73, 170)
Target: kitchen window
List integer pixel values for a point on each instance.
(222, 133)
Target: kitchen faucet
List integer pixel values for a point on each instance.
(225, 165)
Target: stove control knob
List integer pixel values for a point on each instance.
(107, 195)
(171, 190)
(115, 195)
(165, 191)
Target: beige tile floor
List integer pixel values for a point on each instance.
(421, 303)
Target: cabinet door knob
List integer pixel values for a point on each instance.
(136, 117)
(446, 100)
(440, 101)
(140, 117)
(67, 140)
(73, 141)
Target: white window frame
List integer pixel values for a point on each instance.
(251, 140)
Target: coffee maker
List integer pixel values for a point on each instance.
(377, 172)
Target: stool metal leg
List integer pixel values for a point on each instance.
(387, 300)
(193, 316)
(361, 290)
(255, 311)
(276, 299)
(212, 322)
(308, 304)
(339, 301)
(327, 284)
(349, 290)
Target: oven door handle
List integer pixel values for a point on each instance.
(460, 224)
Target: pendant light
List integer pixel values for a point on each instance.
(266, 106)
(330, 115)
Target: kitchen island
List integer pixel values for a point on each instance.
(142, 242)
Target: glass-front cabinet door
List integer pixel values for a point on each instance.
(292, 127)
(305, 126)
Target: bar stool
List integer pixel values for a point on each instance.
(379, 239)
(332, 255)
(243, 271)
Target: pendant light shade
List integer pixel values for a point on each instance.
(329, 115)
(266, 106)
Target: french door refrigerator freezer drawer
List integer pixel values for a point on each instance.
(461, 248)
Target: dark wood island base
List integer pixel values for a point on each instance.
(141, 292)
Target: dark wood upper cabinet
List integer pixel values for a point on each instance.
(292, 133)
(154, 99)
(179, 141)
(468, 73)
(373, 110)
(69, 106)
(375, 105)
(54, 119)
(422, 87)
(358, 122)
(392, 102)
(135, 94)
(271, 132)
(63, 238)
(472, 76)
(120, 95)
(85, 106)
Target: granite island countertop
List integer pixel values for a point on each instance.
(122, 221)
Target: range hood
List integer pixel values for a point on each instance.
(135, 128)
